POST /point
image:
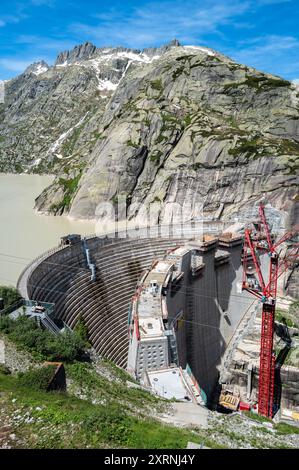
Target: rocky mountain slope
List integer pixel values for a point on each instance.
(175, 124)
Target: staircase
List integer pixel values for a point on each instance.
(173, 359)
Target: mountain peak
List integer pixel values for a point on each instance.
(173, 43)
(151, 51)
(80, 52)
(37, 68)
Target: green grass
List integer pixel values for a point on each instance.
(282, 317)
(69, 187)
(156, 156)
(157, 84)
(187, 120)
(120, 373)
(288, 146)
(178, 72)
(232, 85)
(169, 118)
(65, 421)
(98, 135)
(68, 145)
(37, 379)
(132, 144)
(261, 83)
(256, 417)
(284, 428)
(161, 138)
(250, 147)
(185, 58)
(95, 384)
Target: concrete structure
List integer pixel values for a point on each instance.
(240, 371)
(41, 312)
(199, 310)
(171, 382)
(185, 311)
(61, 276)
(198, 314)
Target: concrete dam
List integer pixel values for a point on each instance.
(206, 304)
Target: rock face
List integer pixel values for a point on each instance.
(165, 125)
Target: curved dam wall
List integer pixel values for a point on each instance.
(64, 279)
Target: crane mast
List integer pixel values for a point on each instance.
(267, 293)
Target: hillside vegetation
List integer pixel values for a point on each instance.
(103, 407)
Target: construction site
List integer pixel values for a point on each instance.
(198, 318)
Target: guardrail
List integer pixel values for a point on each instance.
(35, 262)
(12, 308)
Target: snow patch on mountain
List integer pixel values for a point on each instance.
(107, 85)
(40, 69)
(64, 64)
(56, 145)
(37, 68)
(201, 49)
(107, 56)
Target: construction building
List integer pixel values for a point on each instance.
(170, 309)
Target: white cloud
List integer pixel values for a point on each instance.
(15, 65)
(6, 19)
(272, 53)
(155, 23)
(42, 43)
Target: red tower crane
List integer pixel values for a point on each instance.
(266, 292)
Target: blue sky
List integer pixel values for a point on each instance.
(260, 33)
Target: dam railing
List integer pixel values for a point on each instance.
(187, 231)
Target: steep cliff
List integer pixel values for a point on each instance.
(175, 124)
(195, 126)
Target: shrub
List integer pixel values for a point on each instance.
(261, 82)
(67, 347)
(187, 120)
(6, 324)
(25, 332)
(82, 331)
(69, 187)
(4, 369)
(130, 143)
(245, 147)
(157, 84)
(10, 295)
(155, 157)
